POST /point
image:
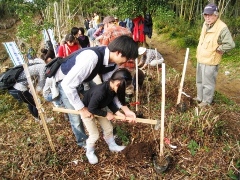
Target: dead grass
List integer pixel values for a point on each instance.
(26, 153)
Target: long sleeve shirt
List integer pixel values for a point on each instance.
(113, 32)
(35, 71)
(85, 63)
(98, 33)
(99, 97)
(150, 55)
(65, 50)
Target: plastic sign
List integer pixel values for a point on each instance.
(14, 53)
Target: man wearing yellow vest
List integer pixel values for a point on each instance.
(214, 41)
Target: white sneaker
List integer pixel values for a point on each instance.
(116, 148)
(196, 99)
(92, 158)
(203, 104)
(48, 120)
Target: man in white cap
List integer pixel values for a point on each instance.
(149, 56)
(215, 39)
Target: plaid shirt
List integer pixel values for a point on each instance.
(150, 55)
(110, 34)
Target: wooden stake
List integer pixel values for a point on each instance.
(57, 19)
(136, 62)
(157, 65)
(162, 111)
(183, 76)
(40, 112)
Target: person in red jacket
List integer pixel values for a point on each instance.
(68, 47)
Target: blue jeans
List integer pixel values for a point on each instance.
(25, 96)
(56, 101)
(75, 119)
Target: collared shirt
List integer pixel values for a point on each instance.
(35, 71)
(113, 32)
(85, 63)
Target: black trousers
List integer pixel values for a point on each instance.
(25, 96)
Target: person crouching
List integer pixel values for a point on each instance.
(96, 100)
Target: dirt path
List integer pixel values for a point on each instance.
(229, 85)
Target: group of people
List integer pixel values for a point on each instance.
(106, 96)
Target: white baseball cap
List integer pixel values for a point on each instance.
(141, 50)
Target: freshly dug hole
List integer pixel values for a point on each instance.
(139, 151)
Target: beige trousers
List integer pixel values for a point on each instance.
(93, 133)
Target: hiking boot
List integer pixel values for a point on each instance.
(203, 104)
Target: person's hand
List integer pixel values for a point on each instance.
(121, 115)
(84, 113)
(130, 114)
(219, 52)
(109, 116)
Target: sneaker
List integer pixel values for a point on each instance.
(48, 120)
(196, 99)
(203, 104)
(92, 158)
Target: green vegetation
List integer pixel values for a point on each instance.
(193, 147)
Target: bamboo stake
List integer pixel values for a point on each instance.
(57, 19)
(162, 111)
(71, 111)
(183, 76)
(136, 64)
(157, 65)
(40, 111)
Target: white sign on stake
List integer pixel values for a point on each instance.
(46, 37)
(14, 53)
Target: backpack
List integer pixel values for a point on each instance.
(52, 67)
(9, 78)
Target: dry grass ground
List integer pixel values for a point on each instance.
(207, 141)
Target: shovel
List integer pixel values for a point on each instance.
(147, 121)
(161, 163)
(182, 106)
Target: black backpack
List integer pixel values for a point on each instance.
(9, 78)
(52, 67)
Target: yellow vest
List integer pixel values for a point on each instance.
(206, 50)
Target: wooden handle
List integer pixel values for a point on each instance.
(147, 121)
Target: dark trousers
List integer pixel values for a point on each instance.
(25, 96)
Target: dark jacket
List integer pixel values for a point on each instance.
(99, 97)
